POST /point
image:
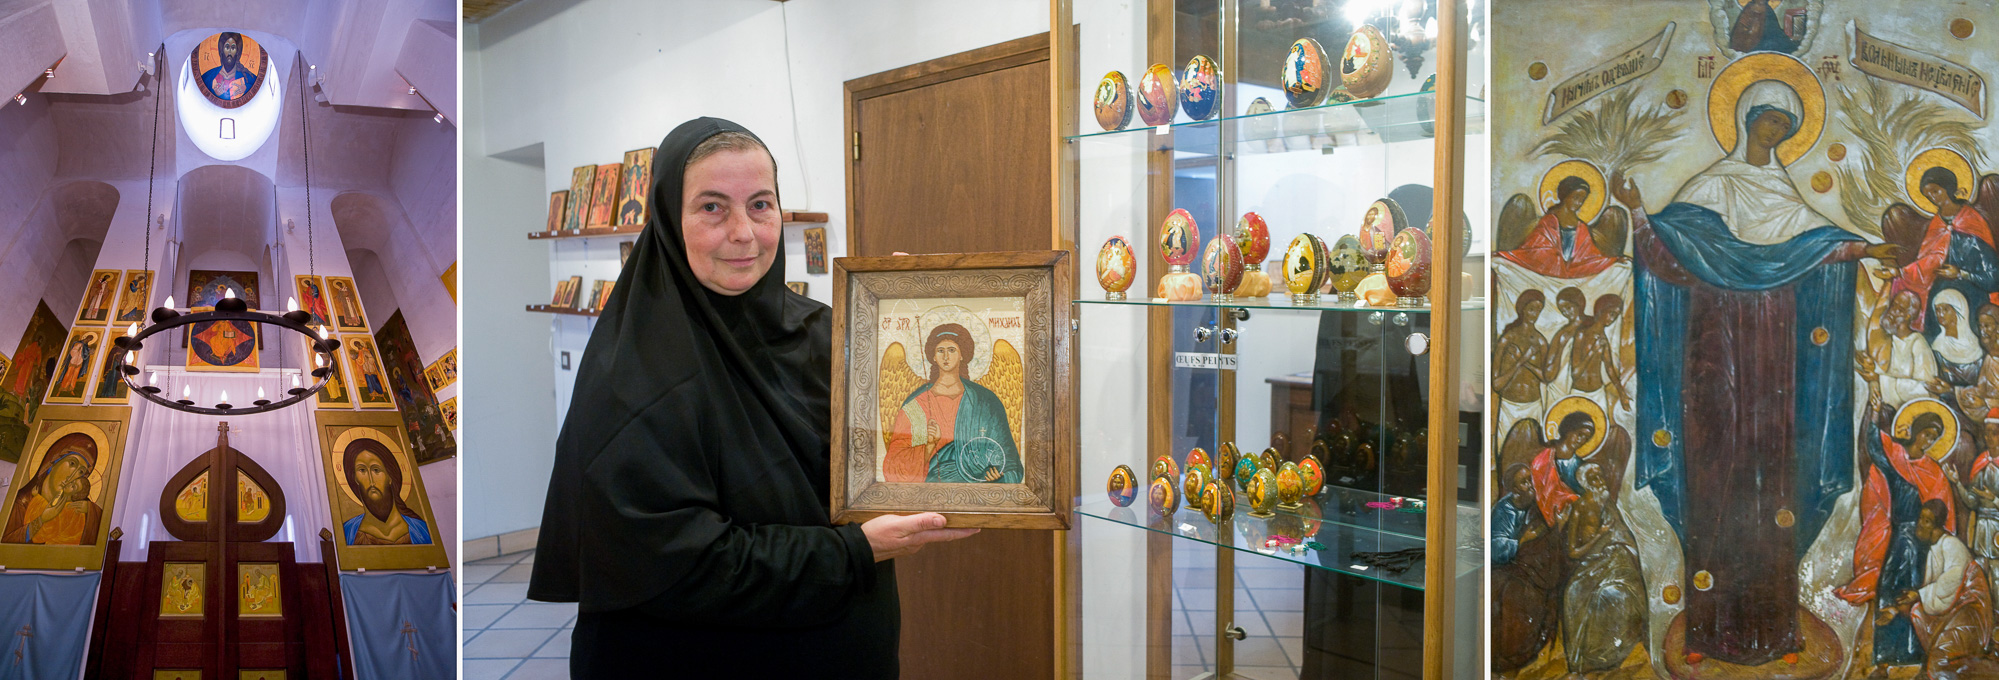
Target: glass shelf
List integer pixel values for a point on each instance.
(1327, 303)
(1380, 120)
(1346, 526)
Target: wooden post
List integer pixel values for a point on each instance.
(1441, 531)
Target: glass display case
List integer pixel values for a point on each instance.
(1298, 147)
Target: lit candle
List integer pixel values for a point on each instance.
(132, 329)
(294, 380)
(291, 304)
(225, 396)
(318, 361)
(170, 302)
(325, 333)
(228, 294)
(260, 392)
(186, 391)
(153, 378)
(131, 359)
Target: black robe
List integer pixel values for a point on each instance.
(687, 511)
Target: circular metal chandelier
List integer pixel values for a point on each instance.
(228, 309)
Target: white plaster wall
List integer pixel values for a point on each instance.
(28, 142)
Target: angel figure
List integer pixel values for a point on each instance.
(1953, 248)
(951, 429)
(1561, 244)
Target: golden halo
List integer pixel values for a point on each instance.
(1937, 158)
(395, 448)
(1570, 405)
(1598, 193)
(98, 466)
(1907, 416)
(1755, 68)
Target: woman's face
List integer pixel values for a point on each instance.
(947, 357)
(1770, 128)
(730, 220)
(1947, 317)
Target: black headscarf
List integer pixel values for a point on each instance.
(691, 475)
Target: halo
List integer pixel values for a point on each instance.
(339, 451)
(1598, 194)
(982, 340)
(1907, 416)
(1571, 405)
(103, 456)
(1739, 75)
(1937, 158)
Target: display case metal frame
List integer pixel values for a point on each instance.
(1441, 530)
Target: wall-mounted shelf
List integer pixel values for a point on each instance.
(791, 217)
(552, 309)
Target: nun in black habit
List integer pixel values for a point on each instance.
(687, 511)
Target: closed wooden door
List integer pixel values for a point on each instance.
(952, 156)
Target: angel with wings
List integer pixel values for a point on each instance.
(950, 428)
(1953, 246)
(1564, 242)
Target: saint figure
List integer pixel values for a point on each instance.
(1561, 245)
(376, 478)
(97, 303)
(951, 429)
(1982, 392)
(1956, 252)
(229, 81)
(1888, 560)
(1521, 361)
(1527, 572)
(76, 366)
(1951, 610)
(54, 507)
(1603, 606)
(1760, 28)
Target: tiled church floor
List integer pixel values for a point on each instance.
(509, 637)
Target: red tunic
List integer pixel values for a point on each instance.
(1920, 274)
(1872, 549)
(907, 463)
(1550, 492)
(1542, 252)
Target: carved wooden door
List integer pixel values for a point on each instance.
(221, 602)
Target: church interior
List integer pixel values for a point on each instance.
(228, 240)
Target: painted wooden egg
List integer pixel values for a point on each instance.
(1201, 88)
(1164, 467)
(1252, 236)
(1311, 475)
(1409, 264)
(1217, 501)
(1383, 219)
(1225, 459)
(1221, 266)
(1268, 460)
(1177, 238)
(1158, 95)
(1245, 469)
(1163, 497)
(1346, 266)
(1191, 485)
(1304, 271)
(1364, 65)
(1113, 101)
(1289, 487)
(1123, 486)
(1262, 493)
(1199, 456)
(1304, 75)
(1116, 267)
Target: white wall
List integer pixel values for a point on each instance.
(654, 65)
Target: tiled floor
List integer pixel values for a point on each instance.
(1269, 605)
(506, 635)
(509, 637)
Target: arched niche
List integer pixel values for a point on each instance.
(393, 270)
(227, 219)
(50, 259)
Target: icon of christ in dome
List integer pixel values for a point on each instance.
(229, 81)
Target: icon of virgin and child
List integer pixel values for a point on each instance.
(955, 426)
(55, 506)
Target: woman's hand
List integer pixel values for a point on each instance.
(893, 536)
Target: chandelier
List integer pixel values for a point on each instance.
(229, 308)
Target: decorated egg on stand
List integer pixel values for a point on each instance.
(1201, 88)
(1164, 466)
(1383, 219)
(1304, 268)
(1199, 456)
(1289, 487)
(1345, 267)
(1116, 267)
(1191, 485)
(1163, 497)
(1123, 486)
(1304, 76)
(1252, 237)
(1158, 95)
(1177, 238)
(1261, 491)
(1245, 470)
(1113, 105)
(1365, 66)
(1226, 456)
(1408, 268)
(1268, 460)
(1218, 501)
(1222, 265)
(1311, 475)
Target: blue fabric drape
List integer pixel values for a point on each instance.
(55, 611)
(1822, 444)
(378, 608)
(980, 415)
